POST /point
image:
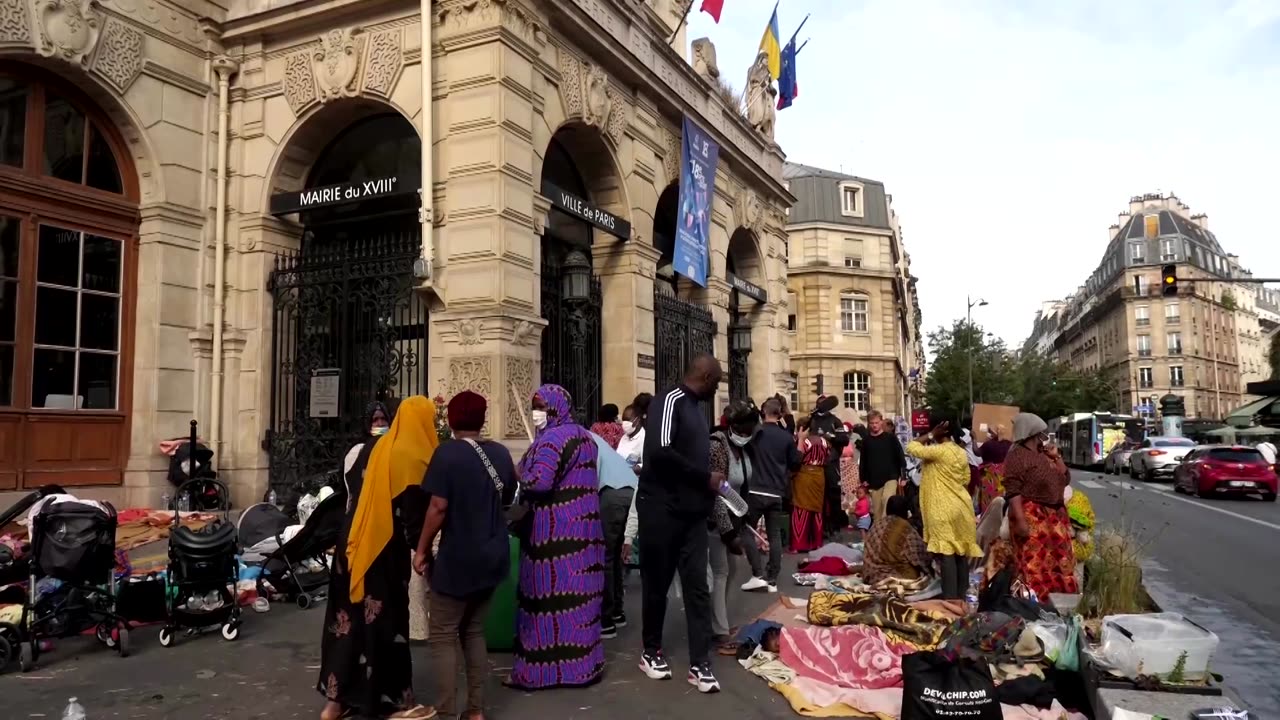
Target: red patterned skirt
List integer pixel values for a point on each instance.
(1046, 559)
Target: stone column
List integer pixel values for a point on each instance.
(626, 273)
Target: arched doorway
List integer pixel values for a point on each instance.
(681, 329)
(68, 284)
(745, 274)
(572, 297)
(349, 326)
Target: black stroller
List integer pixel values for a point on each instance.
(202, 573)
(14, 568)
(191, 472)
(298, 568)
(73, 542)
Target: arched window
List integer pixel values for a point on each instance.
(855, 313)
(857, 391)
(68, 216)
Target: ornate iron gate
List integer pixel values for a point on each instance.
(681, 330)
(739, 382)
(572, 353)
(346, 309)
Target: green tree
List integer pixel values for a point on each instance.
(947, 385)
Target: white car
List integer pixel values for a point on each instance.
(1157, 457)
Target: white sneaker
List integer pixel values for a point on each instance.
(773, 587)
(701, 677)
(655, 666)
(756, 583)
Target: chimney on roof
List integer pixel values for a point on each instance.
(1135, 204)
(1201, 219)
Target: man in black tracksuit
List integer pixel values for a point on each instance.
(673, 504)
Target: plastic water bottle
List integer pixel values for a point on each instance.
(184, 502)
(971, 595)
(732, 499)
(164, 501)
(74, 711)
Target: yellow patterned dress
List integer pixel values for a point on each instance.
(945, 506)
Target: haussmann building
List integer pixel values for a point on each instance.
(210, 210)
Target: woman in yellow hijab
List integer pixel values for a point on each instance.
(365, 665)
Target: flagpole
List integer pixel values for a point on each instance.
(797, 32)
(683, 19)
(806, 42)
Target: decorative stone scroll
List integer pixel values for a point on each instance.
(336, 62)
(468, 330)
(15, 22)
(342, 63)
(524, 333)
(520, 374)
(119, 57)
(747, 211)
(457, 17)
(671, 160)
(69, 29)
(589, 95)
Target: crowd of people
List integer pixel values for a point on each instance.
(646, 486)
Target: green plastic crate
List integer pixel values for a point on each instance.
(500, 625)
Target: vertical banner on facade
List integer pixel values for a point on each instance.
(698, 159)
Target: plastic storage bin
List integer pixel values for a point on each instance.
(500, 625)
(1151, 645)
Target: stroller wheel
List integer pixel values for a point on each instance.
(105, 636)
(166, 637)
(122, 642)
(26, 657)
(304, 601)
(230, 632)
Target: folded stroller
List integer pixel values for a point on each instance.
(296, 567)
(73, 542)
(202, 573)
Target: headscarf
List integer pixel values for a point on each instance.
(559, 406)
(398, 461)
(1027, 425)
(353, 454)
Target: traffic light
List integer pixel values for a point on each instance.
(817, 384)
(1169, 281)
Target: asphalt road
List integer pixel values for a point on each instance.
(1213, 561)
(270, 672)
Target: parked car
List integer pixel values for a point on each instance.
(1117, 461)
(1157, 457)
(1216, 470)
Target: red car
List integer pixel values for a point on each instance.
(1216, 470)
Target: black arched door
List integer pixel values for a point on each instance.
(350, 327)
(572, 343)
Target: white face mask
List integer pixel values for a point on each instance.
(627, 427)
(539, 419)
(739, 440)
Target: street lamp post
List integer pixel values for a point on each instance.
(968, 314)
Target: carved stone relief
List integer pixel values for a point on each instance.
(704, 58)
(336, 62)
(119, 57)
(456, 16)
(69, 29)
(524, 333)
(15, 22)
(588, 94)
(520, 374)
(299, 82)
(747, 211)
(474, 373)
(384, 62)
(468, 331)
(671, 160)
(179, 24)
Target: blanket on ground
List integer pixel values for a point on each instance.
(900, 622)
(851, 656)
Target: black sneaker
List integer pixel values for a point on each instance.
(620, 620)
(608, 630)
(655, 666)
(701, 677)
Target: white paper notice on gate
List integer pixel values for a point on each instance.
(325, 383)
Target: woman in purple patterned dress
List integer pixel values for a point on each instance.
(562, 553)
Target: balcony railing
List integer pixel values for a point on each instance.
(1175, 349)
(1146, 384)
(1172, 319)
(1176, 382)
(1144, 353)
(1143, 322)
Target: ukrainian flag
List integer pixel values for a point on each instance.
(770, 46)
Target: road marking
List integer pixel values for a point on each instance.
(1160, 488)
(1091, 484)
(1228, 513)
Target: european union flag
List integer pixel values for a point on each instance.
(788, 88)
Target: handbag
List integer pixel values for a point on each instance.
(520, 514)
(936, 687)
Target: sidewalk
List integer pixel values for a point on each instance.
(271, 672)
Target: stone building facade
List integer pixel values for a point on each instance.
(1122, 325)
(270, 264)
(856, 315)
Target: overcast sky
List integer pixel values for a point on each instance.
(1011, 132)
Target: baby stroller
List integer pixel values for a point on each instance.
(14, 568)
(298, 567)
(191, 472)
(202, 572)
(74, 542)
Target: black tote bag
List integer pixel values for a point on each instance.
(937, 688)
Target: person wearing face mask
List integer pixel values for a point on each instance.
(731, 454)
(631, 448)
(607, 425)
(674, 500)
(377, 419)
(562, 553)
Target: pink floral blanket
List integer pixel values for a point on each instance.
(848, 656)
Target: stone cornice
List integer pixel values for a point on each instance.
(660, 70)
(839, 228)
